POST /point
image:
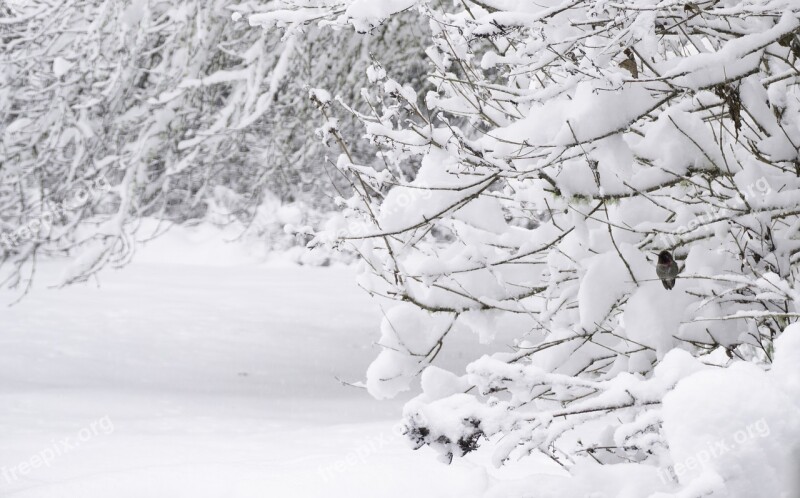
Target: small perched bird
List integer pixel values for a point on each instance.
(667, 269)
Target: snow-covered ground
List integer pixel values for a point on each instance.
(203, 381)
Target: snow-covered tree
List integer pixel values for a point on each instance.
(111, 111)
(564, 145)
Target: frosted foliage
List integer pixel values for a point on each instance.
(565, 144)
(175, 110)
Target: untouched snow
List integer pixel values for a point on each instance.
(204, 381)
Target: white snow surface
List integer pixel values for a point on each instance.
(217, 382)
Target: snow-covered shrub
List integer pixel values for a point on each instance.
(567, 143)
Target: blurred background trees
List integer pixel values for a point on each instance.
(176, 112)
